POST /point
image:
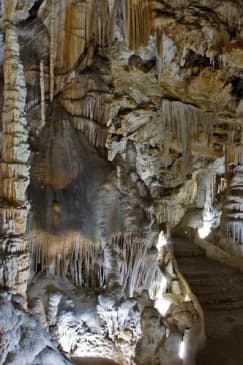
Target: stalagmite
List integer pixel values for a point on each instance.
(3, 10)
(232, 216)
(52, 50)
(14, 166)
(42, 91)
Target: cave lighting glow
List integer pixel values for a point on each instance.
(182, 350)
(211, 219)
(204, 230)
(161, 240)
(162, 304)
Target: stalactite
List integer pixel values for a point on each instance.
(229, 13)
(74, 34)
(176, 114)
(222, 186)
(70, 255)
(95, 134)
(113, 13)
(186, 121)
(102, 23)
(98, 24)
(211, 188)
(90, 17)
(234, 154)
(137, 258)
(93, 106)
(210, 185)
(190, 189)
(130, 260)
(52, 50)
(234, 230)
(137, 22)
(170, 213)
(42, 92)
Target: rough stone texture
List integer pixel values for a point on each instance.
(134, 115)
(219, 290)
(22, 338)
(14, 166)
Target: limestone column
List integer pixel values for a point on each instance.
(232, 218)
(14, 172)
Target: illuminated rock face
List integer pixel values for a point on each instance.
(119, 119)
(23, 339)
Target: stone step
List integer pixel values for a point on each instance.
(202, 264)
(218, 292)
(218, 287)
(211, 281)
(184, 248)
(222, 307)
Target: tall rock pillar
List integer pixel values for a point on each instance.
(14, 173)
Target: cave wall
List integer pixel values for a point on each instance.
(120, 119)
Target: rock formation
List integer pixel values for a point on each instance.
(121, 142)
(14, 164)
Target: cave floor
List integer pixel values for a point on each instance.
(223, 350)
(219, 290)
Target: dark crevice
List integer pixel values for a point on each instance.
(141, 65)
(196, 60)
(34, 10)
(237, 87)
